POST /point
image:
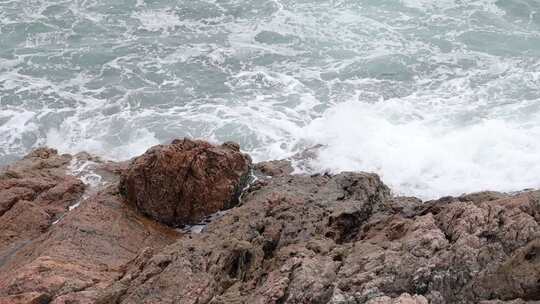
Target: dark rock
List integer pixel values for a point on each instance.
(27, 298)
(274, 168)
(344, 239)
(185, 181)
(482, 196)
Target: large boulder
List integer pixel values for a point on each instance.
(185, 181)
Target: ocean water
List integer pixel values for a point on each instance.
(438, 97)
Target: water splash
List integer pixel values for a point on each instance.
(439, 97)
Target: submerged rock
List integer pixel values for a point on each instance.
(185, 181)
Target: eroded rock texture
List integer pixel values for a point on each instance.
(345, 239)
(49, 254)
(34, 192)
(185, 181)
(293, 239)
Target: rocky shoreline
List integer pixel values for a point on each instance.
(287, 238)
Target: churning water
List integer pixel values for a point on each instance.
(439, 97)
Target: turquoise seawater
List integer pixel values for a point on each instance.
(439, 97)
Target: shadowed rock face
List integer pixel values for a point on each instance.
(185, 181)
(294, 239)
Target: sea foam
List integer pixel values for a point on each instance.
(438, 97)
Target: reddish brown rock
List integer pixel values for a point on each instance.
(34, 192)
(274, 168)
(84, 252)
(27, 298)
(402, 299)
(338, 239)
(344, 239)
(185, 181)
(49, 254)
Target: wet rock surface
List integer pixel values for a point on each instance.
(292, 239)
(185, 181)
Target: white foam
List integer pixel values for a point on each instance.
(157, 20)
(16, 119)
(85, 170)
(409, 89)
(429, 5)
(426, 158)
(73, 141)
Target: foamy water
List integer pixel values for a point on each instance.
(439, 97)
